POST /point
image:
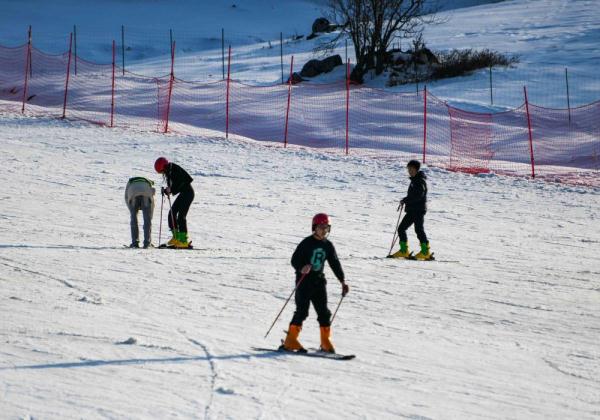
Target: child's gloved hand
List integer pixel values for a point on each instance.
(345, 288)
(306, 269)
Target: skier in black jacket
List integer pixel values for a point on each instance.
(415, 205)
(309, 261)
(179, 183)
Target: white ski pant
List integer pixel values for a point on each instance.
(146, 205)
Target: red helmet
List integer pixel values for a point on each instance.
(320, 219)
(161, 164)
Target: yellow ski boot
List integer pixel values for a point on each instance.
(425, 253)
(403, 252)
(182, 240)
(174, 239)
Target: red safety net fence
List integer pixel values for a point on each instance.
(554, 144)
(13, 65)
(32, 80)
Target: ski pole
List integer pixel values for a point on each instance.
(286, 302)
(336, 309)
(175, 227)
(162, 201)
(400, 208)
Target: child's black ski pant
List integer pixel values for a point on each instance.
(409, 218)
(312, 290)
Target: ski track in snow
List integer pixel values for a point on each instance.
(213, 374)
(96, 299)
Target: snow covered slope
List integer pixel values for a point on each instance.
(504, 326)
(548, 35)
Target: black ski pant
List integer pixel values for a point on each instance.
(180, 209)
(312, 290)
(409, 218)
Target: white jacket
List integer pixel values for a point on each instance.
(139, 186)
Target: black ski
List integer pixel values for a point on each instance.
(165, 246)
(162, 246)
(411, 257)
(414, 258)
(309, 353)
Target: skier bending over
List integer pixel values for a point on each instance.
(139, 195)
(309, 261)
(179, 183)
(415, 205)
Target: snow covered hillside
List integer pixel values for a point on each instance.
(505, 325)
(548, 35)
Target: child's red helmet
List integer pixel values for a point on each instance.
(320, 219)
(161, 164)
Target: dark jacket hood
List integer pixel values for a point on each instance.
(419, 175)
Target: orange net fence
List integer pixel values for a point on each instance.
(554, 144)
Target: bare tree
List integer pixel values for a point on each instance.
(373, 25)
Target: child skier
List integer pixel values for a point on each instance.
(179, 183)
(309, 261)
(415, 205)
(139, 195)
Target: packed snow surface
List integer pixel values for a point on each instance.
(504, 325)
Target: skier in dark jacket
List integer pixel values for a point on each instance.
(415, 205)
(179, 183)
(309, 261)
